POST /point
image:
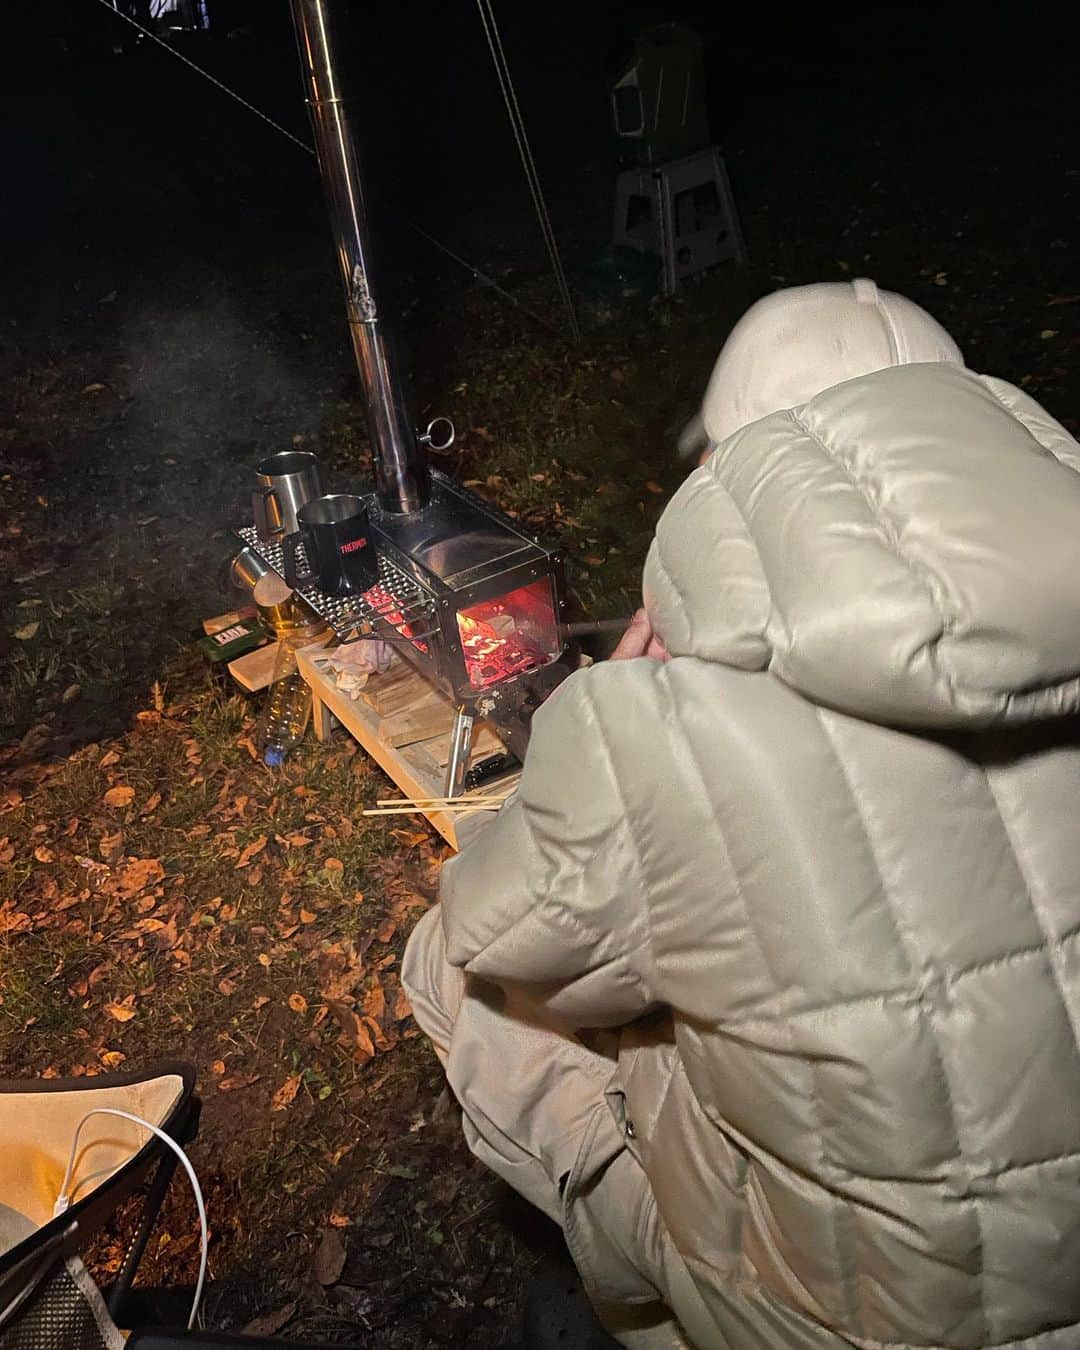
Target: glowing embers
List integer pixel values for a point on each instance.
(509, 635)
(389, 608)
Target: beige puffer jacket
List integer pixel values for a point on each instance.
(838, 837)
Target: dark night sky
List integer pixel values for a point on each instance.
(95, 142)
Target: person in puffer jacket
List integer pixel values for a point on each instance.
(766, 983)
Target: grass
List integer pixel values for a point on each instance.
(239, 987)
(34, 1003)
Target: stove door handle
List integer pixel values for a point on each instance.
(293, 576)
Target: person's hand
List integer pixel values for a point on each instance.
(640, 640)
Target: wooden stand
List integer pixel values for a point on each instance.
(406, 726)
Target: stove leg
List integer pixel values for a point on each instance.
(460, 748)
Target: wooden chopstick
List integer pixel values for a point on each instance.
(421, 810)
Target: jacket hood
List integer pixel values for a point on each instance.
(904, 547)
(795, 343)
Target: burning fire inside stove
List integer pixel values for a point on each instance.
(509, 635)
(501, 638)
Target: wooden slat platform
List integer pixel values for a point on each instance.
(404, 724)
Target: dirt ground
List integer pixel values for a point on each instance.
(163, 894)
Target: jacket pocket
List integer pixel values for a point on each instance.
(603, 1198)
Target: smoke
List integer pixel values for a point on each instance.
(213, 390)
(158, 468)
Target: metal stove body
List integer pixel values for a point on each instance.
(492, 596)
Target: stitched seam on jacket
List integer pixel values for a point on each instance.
(540, 903)
(550, 905)
(903, 998)
(774, 610)
(1045, 948)
(712, 485)
(1046, 1337)
(890, 535)
(662, 563)
(681, 605)
(908, 946)
(849, 1290)
(645, 944)
(1053, 945)
(1072, 1156)
(540, 908)
(1028, 426)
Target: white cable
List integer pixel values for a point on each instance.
(63, 1200)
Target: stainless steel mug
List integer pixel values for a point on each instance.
(286, 481)
(247, 569)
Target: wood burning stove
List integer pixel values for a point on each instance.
(463, 592)
(487, 614)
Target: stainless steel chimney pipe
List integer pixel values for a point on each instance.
(401, 470)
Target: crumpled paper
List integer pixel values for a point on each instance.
(355, 663)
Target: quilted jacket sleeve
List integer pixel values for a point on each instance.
(551, 893)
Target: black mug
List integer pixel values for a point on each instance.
(334, 532)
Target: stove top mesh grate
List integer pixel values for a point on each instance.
(346, 614)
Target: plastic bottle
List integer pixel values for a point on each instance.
(288, 701)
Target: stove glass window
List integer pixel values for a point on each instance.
(509, 635)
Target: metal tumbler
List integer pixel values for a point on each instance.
(286, 481)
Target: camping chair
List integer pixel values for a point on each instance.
(71, 1151)
(67, 1161)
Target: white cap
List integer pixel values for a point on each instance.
(796, 343)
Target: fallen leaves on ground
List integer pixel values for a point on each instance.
(329, 1259)
(252, 850)
(234, 1082)
(286, 1093)
(123, 1011)
(136, 876)
(13, 920)
(272, 1322)
(401, 1007)
(355, 1035)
